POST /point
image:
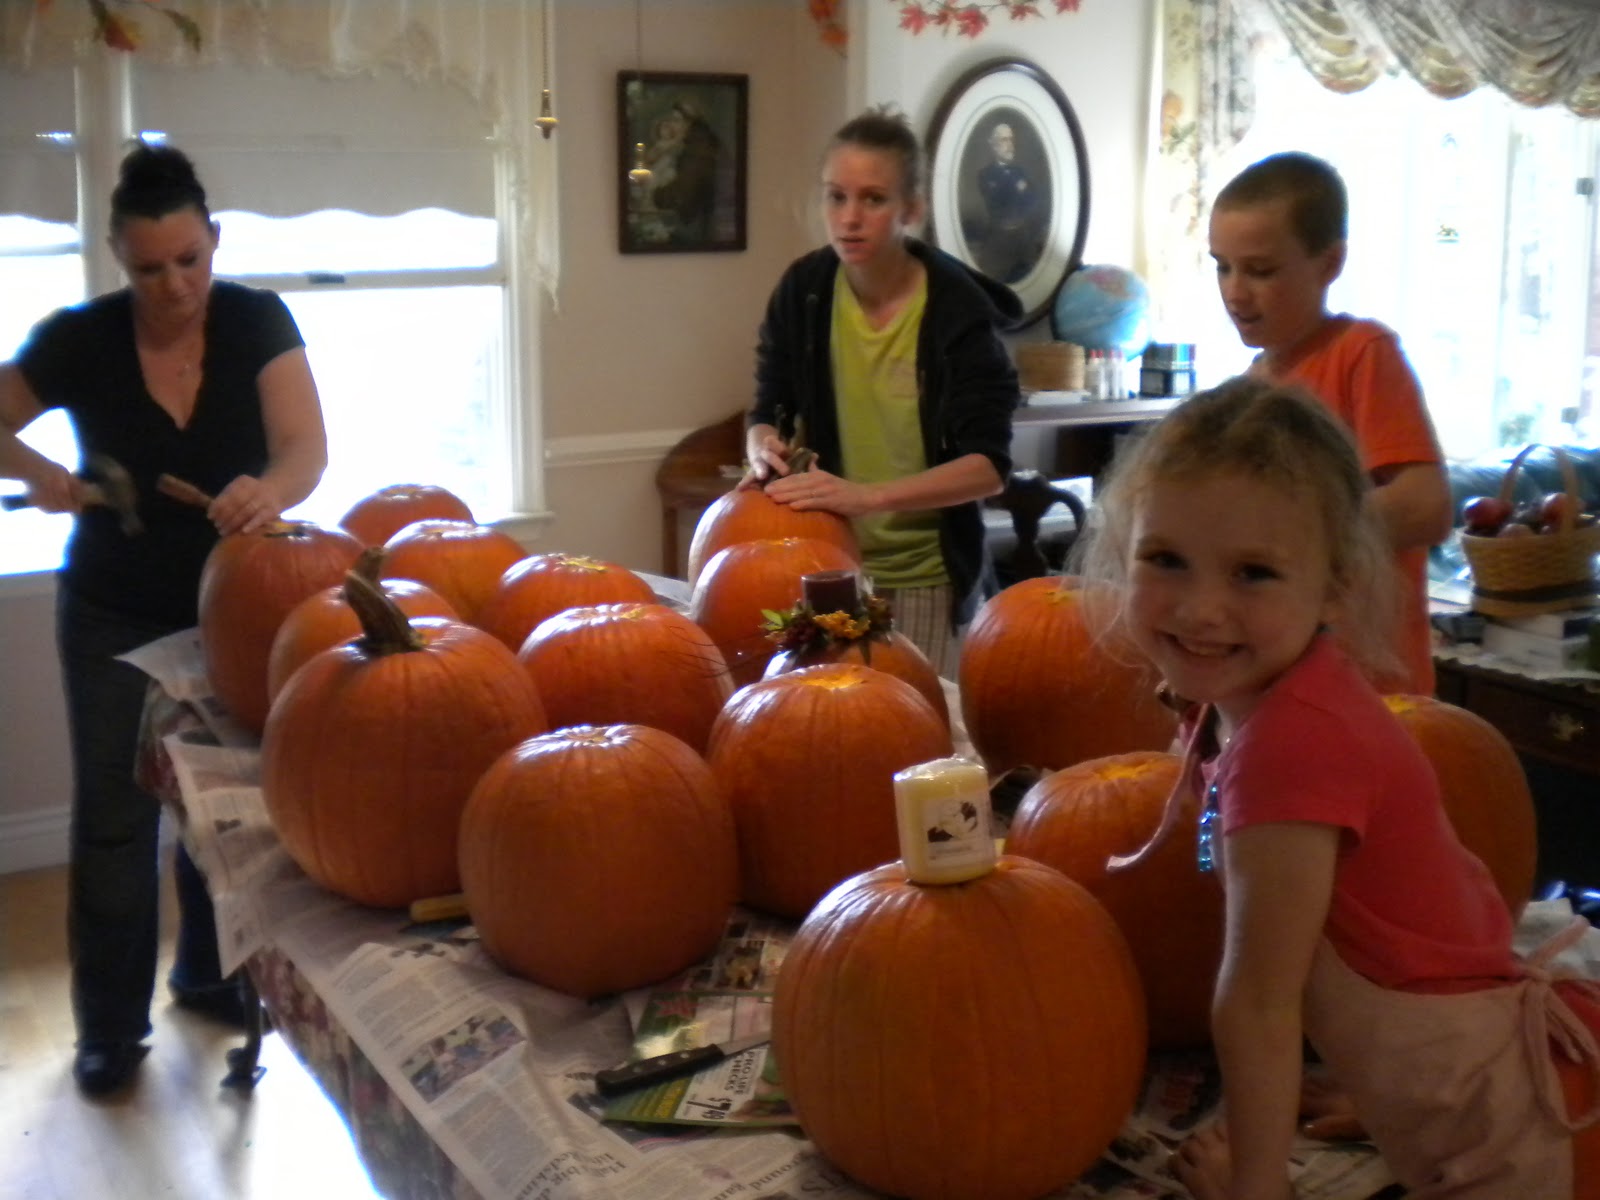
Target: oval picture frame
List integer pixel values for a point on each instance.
(1019, 213)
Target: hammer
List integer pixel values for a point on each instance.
(109, 484)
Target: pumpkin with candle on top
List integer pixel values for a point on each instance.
(975, 1039)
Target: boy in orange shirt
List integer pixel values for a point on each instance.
(1278, 235)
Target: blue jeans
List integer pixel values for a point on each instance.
(113, 877)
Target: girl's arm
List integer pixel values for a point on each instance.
(1279, 883)
(297, 448)
(1413, 501)
(970, 477)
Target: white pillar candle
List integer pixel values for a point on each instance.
(944, 815)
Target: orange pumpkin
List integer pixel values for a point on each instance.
(977, 1039)
(1038, 689)
(325, 619)
(1485, 790)
(599, 859)
(374, 746)
(643, 664)
(893, 653)
(743, 581)
(750, 515)
(541, 585)
(461, 561)
(1169, 911)
(248, 585)
(807, 760)
(374, 519)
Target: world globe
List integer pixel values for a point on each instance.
(1103, 308)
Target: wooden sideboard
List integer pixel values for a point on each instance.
(1555, 728)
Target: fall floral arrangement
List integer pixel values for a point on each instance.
(116, 25)
(967, 19)
(802, 629)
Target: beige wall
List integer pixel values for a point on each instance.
(641, 349)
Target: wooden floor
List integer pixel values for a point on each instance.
(177, 1134)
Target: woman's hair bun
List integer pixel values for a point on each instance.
(155, 180)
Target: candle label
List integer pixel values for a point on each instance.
(944, 818)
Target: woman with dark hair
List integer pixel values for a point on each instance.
(172, 374)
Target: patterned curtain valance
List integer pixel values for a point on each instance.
(491, 49)
(1537, 52)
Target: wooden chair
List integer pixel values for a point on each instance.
(690, 477)
(1028, 497)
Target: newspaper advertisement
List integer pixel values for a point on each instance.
(727, 996)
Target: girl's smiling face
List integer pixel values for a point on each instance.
(1230, 580)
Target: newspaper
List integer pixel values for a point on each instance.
(499, 1072)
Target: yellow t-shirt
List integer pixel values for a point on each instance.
(880, 433)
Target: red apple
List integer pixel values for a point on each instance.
(1484, 515)
(1553, 510)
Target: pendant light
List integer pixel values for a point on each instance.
(546, 120)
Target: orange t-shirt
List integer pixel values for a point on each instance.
(1356, 368)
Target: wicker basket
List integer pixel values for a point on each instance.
(1544, 572)
(1050, 367)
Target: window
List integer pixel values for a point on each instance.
(371, 205)
(1471, 235)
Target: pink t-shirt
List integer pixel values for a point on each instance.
(1412, 908)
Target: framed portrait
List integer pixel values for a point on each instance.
(1008, 190)
(690, 133)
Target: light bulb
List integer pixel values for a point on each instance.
(640, 173)
(546, 120)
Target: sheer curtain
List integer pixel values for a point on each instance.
(491, 49)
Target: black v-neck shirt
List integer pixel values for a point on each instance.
(84, 360)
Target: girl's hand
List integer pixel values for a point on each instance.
(819, 490)
(1326, 1112)
(244, 506)
(769, 457)
(1204, 1166)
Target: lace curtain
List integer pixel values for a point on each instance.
(491, 49)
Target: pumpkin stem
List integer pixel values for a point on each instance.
(370, 564)
(384, 628)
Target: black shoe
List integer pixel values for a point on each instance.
(220, 1002)
(102, 1068)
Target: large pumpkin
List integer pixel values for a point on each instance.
(893, 653)
(376, 518)
(541, 585)
(746, 580)
(1039, 690)
(461, 561)
(1169, 910)
(750, 515)
(643, 664)
(1485, 791)
(808, 761)
(374, 746)
(325, 619)
(599, 859)
(981, 1039)
(249, 584)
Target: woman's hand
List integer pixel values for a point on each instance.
(817, 489)
(57, 490)
(244, 506)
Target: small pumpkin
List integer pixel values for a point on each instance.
(745, 581)
(376, 518)
(248, 585)
(542, 585)
(597, 859)
(984, 1038)
(1484, 789)
(642, 664)
(1170, 912)
(461, 561)
(750, 515)
(1038, 689)
(325, 619)
(808, 760)
(374, 745)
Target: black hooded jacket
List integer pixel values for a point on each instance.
(966, 385)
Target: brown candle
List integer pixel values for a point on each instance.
(831, 591)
